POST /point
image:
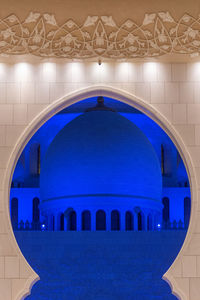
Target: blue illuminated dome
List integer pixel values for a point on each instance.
(100, 159)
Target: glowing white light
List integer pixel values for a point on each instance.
(93, 72)
(3, 71)
(122, 70)
(159, 226)
(49, 71)
(43, 227)
(22, 71)
(78, 72)
(194, 71)
(150, 71)
(106, 72)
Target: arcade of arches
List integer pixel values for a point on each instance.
(101, 220)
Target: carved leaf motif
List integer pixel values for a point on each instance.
(131, 38)
(38, 34)
(108, 21)
(149, 19)
(162, 34)
(186, 18)
(112, 35)
(191, 32)
(196, 43)
(68, 39)
(3, 43)
(50, 34)
(90, 21)
(166, 17)
(132, 48)
(128, 24)
(89, 47)
(12, 18)
(174, 43)
(46, 45)
(25, 30)
(87, 35)
(70, 23)
(172, 31)
(147, 33)
(24, 43)
(110, 47)
(67, 49)
(195, 54)
(153, 45)
(7, 33)
(32, 17)
(165, 47)
(50, 19)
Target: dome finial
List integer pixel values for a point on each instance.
(100, 100)
(100, 105)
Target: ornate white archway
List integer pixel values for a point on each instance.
(140, 104)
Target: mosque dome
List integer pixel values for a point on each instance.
(100, 157)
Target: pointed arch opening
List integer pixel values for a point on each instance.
(137, 104)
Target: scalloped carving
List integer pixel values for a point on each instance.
(27, 288)
(99, 36)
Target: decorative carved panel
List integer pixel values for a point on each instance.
(100, 36)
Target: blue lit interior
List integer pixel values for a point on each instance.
(100, 204)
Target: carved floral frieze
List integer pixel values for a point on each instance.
(100, 36)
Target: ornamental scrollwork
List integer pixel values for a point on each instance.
(100, 36)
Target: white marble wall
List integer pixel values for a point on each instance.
(172, 89)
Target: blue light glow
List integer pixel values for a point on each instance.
(43, 227)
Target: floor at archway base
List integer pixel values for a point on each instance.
(100, 265)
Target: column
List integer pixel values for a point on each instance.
(93, 220)
(49, 222)
(122, 220)
(145, 215)
(108, 220)
(57, 221)
(154, 221)
(78, 220)
(145, 222)
(65, 223)
(135, 221)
